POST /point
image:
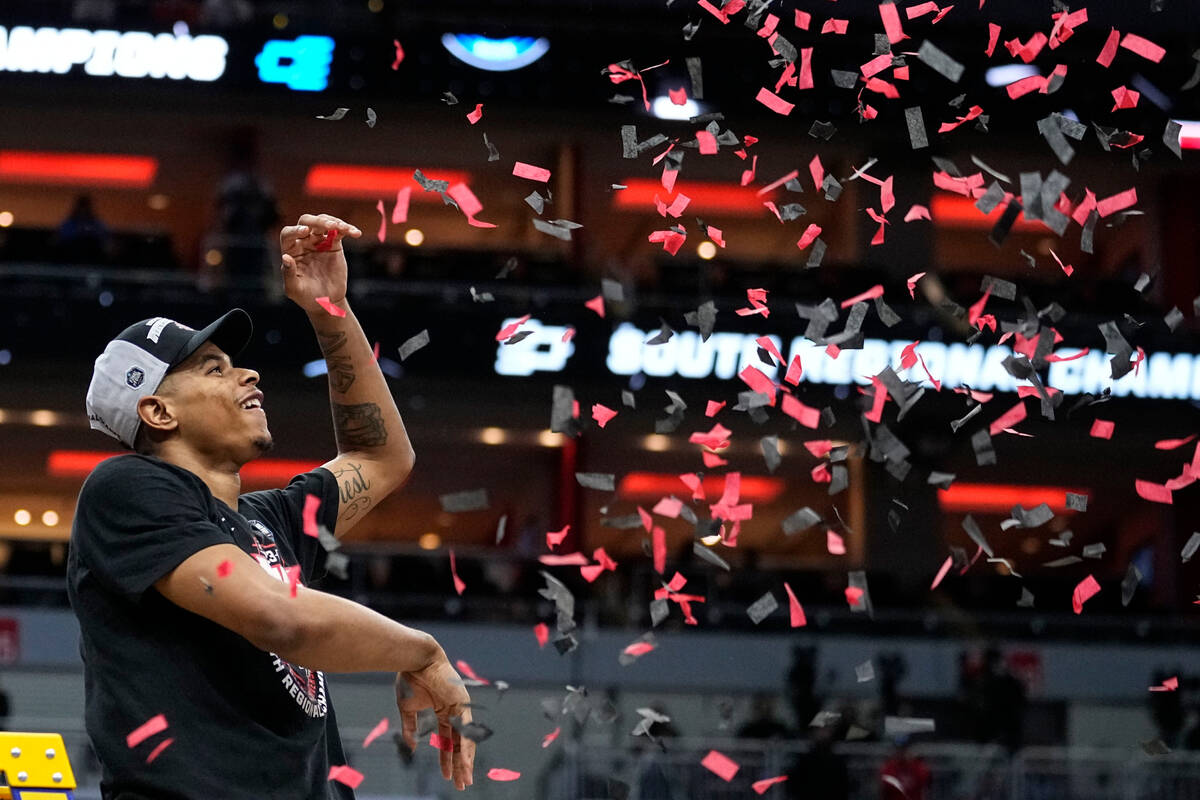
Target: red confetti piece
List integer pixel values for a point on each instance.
(154, 725)
(293, 575)
(1084, 591)
(379, 730)
(399, 54)
(869, 294)
(328, 240)
(1110, 48)
(476, 115)
(511, 328)
(568, 335)
(713, 408)
(838, 26)
(659, 548)
(1102, 429)
(941, 573)
(803, 19)
(400, 210)
(443, 743)
(806, 76)
(854, 596)
(891, 22)
(876, 65)
(707, 142)
(309, 515)
(333, 310)
(835, 544)
(993, 37)
(795, 610)
(590, 572)
(501, 774)
(810, 234)
(766, 344)
(1143, 47)
(163, 745)
(1154, 492)
(908, 356)
(1171, 444)
(774, 102)
(638, 649)
(678, 96)
(1008, 419)
(575, 559)
(541, 632)
(716, 12)
(375, 353)
(875, 414)
(1067, 268)
(760, 787)
(1169, 685)
(468, 204)
(720, 765)
(794, 371)
(523, 170)
(1124, 97)
(224, 568)
(459, 585)
(465, 669)
(913, 12)
(602, 414)
(1117, 202)
(555, 538)
(807, 416)
(382, 235)
(550, 737)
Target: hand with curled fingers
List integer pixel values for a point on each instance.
(314, 264)
(439, 686)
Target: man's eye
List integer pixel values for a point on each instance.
(214, 369)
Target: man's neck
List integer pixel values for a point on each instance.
(222, 479)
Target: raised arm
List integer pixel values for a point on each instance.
(374, 453)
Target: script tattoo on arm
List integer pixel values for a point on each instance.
(339, 367)
(352, 489)
(358, 425)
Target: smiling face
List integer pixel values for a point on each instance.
(209, 407)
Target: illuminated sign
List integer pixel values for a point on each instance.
(129, 54)
(302, 64)
(495, 55)
(724, 355)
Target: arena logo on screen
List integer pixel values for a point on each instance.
(125, 54)
(724, 355)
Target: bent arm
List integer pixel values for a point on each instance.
(318, 630)
(375, 455)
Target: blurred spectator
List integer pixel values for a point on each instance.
(763, 723)
(904, 776)
(82, 237)
(801, 681)
(820, 774)
(246, 212)
(995, 699)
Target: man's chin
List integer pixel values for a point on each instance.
(263, 444)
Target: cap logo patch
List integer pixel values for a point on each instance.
(135, 376)
(156, 328)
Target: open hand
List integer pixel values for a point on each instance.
(439, 686)
(314, 264)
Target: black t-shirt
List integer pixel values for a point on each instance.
(246, 724)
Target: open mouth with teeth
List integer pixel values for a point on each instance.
(253, 403)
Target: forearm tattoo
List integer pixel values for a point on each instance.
(358, 425)
(339, 367)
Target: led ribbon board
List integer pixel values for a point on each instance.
(125, 54)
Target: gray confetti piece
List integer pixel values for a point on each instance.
(338, 564)
(1155, 747)
(696, 74)
(662, 337)
(629, 148)
(1129, 584)
(536, 202)
(843, 79)
(706, 554)
(612, 290)
(825, 719)
(335, 116)
(972, 528)
(981, 442)
(1005, 290)
(1026, 600)
(562, 411)
(703, 318)
(500, 528)
(372, 117)
(762, 608)
(857, 579)
(832, 188)
(518, 337)
(822, 130)
(1173, 319)
(800, 520)
(462, 502)
(955, 425)
(557, 231)
(493, 153)
(1049, 129)
(627, 399)
(659, 611)
(917, 135)
(1093, 550)
(1077, 502)
(481, 297)
(414, 344)
(770, 451)
(1004, 225)
(942, 480)
(993, 197)
(864, 672)
(977, 161)
(1065, 561)
(449, 99)
(1171, 137)
(886, 314)
(816, 254)
(602, 481)
(1190, 548)
(903, 726)
(936, 59)
(1087, 241)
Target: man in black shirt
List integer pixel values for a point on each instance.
(199, 636)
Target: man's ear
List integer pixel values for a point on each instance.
(156, 414)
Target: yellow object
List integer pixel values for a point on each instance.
(35, 766)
